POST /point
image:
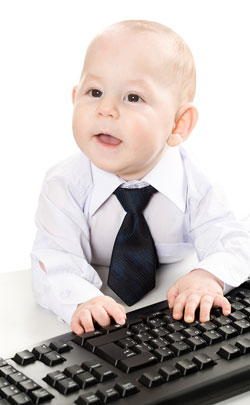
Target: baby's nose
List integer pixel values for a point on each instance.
(107, 108)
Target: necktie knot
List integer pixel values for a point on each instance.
(134, 200)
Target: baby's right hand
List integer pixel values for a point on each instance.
(98, 309)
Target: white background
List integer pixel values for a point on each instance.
(42, 45)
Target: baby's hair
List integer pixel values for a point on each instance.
(183, 61)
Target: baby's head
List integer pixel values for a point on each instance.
(134, 98)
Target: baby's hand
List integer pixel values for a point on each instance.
(198, 288)
(98, 309)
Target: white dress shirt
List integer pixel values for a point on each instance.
(78, 218)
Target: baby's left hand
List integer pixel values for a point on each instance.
(197, 288)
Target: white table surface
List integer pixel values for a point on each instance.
(24, 323)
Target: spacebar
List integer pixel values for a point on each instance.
(133, 363)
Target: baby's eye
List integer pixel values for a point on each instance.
(133, 98)
(95, 93)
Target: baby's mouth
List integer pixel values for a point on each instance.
(108, 139)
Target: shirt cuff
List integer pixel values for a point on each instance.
(233, 270)
(61, 292)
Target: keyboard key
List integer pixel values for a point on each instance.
(228, 331)
(196, 342)
(41, 395)
(229, 351)
(142, 347)
(38, 351)
(2, 362)
(155, 323)
(67, 385)
(7, 370)
(246, 311)
(151, 380)
(237, 316)
(212, 337)
(88, 399)
(91, 365)
(60, 346)
(136, 362)
(242, 326)
(16, 378)
(80, 339)
(203, 361)
(74, 370)
(139, 328)
(180, 348)
(126, 343)
(108, 395)
(103, 373)
(85, 379)
(168, 317)
(52, 359)
(21, 399)
(243, 345)
(175, 326)
(222, 320)
(237, 306)
(9, 391)
(242, 293)
(206, 326)
(157, 343)
(24, 357)
(169, 373)
(186, 366)
(4, 402)
(175, 337)
(216, 311)
(143, 337)
(112, 353)
(125, 389)
(159, 332)
(91, 344)
(3, 382)
(163, 353)
(27, 386)
(52, 378)
(190, 332)
(110, 328)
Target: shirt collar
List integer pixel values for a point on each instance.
(167, 177)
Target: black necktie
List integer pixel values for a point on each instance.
(134, 258)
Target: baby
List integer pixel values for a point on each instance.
(132, 110)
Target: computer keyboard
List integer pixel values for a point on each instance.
(153, 359)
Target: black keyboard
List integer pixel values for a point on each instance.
(153, 359)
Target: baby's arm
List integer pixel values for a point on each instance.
(98, 309)
(197, 288)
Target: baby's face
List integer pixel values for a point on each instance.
(125, 104)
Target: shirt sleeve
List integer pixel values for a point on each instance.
(221, 241)
(62, 244)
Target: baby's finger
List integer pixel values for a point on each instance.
(123, 310)
(221, 301)
(192, 303)
(171, 295)
(205, 307)
(179, 305)
(86, 320)
(116, 312)
(100, 314)
(75, 325)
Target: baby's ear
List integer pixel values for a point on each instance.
(186, 119)
(75, 88)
